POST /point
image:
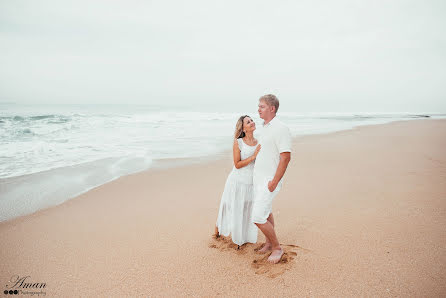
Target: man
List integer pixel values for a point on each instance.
(270, 166)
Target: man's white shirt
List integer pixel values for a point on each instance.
(274, 139)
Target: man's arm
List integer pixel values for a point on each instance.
(285, 158)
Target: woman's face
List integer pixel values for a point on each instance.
(248, 125)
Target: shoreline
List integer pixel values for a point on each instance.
(11, 183)
(361, 213)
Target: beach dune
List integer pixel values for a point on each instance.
(362, 212)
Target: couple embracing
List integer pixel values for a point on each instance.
(255, 180)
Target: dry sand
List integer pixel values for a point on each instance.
(361, 213)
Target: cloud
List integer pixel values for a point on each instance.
(320, 55)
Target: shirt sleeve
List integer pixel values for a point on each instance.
(283, 140)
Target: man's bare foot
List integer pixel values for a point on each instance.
(265, 248)
(275, 256)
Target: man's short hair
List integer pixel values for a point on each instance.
(271, 100)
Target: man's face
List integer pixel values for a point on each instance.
(265, 111)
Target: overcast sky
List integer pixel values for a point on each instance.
(370, 56)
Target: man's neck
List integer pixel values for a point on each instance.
(266, 122)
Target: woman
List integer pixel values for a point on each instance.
(234, 216)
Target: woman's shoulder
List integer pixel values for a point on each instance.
(237, 142)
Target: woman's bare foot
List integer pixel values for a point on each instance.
(265, 248)
(216, 233)
(275, 256)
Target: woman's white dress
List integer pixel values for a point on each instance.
(234, 215)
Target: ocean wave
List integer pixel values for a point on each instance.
(40, 117)
(60, 120)
(27, 130)
(419, 116)
(70, 136)
(18, 118)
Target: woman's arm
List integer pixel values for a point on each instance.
(238, 163)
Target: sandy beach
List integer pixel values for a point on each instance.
(362, 213)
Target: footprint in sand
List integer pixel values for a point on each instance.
(225, 243)
(260, 263)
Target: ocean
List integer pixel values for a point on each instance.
(51, 153)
